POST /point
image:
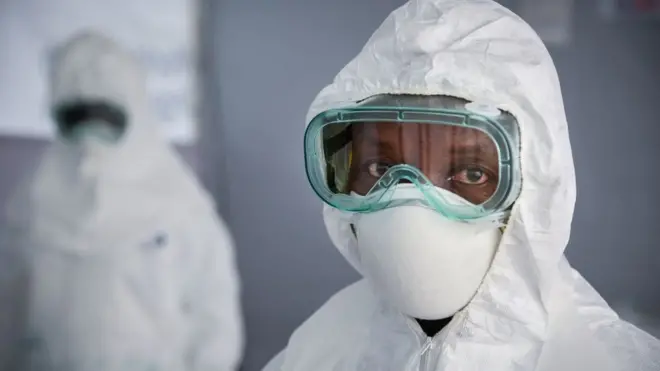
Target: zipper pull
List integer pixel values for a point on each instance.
(428, 344)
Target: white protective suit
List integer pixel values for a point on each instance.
(532, 311)
(115, 258)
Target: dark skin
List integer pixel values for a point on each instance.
(461, 160)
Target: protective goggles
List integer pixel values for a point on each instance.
(78, 119)
(457, 157)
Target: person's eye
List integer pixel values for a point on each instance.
(471, 176)
(377, 169)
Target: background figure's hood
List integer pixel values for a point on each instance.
(480, 51)
(71, 189)
(90, 67)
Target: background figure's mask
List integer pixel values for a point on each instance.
(100, 119)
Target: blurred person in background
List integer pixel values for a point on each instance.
(114, 258)
(443, 157)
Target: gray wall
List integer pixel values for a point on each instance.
(272, 59)
(17, 158)
(611, 82)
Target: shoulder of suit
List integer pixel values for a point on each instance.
(347, 313)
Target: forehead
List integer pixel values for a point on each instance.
(393, 134)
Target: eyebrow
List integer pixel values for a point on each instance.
(474, 147)
(370, 141)
(461, 148)
(458, 148)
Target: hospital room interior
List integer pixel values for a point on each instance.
(228, 85)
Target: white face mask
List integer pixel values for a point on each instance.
(95, 144)
(95, 147)
(98, 130)
(426, 265)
